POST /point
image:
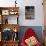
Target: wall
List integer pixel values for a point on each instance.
(38, 21)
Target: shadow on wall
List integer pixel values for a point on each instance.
(37, 29)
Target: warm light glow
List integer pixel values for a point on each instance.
(12, 10)
(15, 30)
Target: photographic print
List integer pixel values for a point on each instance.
(29, 12)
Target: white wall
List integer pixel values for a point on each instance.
(38, 21)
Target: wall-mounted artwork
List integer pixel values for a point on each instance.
(5, 12)
(29, 12)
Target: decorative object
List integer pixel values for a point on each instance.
(30, 38)
(15, 3)
(6, 21)
(31, 41)
(5, 12)
(7, 34)
(15, 30)
(15, 34)
(13, 12)
(29, 12)
(15, 37)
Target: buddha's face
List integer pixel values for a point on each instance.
(31, 41)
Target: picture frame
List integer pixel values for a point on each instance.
(29, 12)
(5, 12)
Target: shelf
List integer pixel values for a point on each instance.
(11, 15)
(6, 12)
(7, 16)
(11, 41)
(9, 10)
(10, 26)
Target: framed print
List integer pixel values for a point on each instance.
(29, 12)
(5, 12)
